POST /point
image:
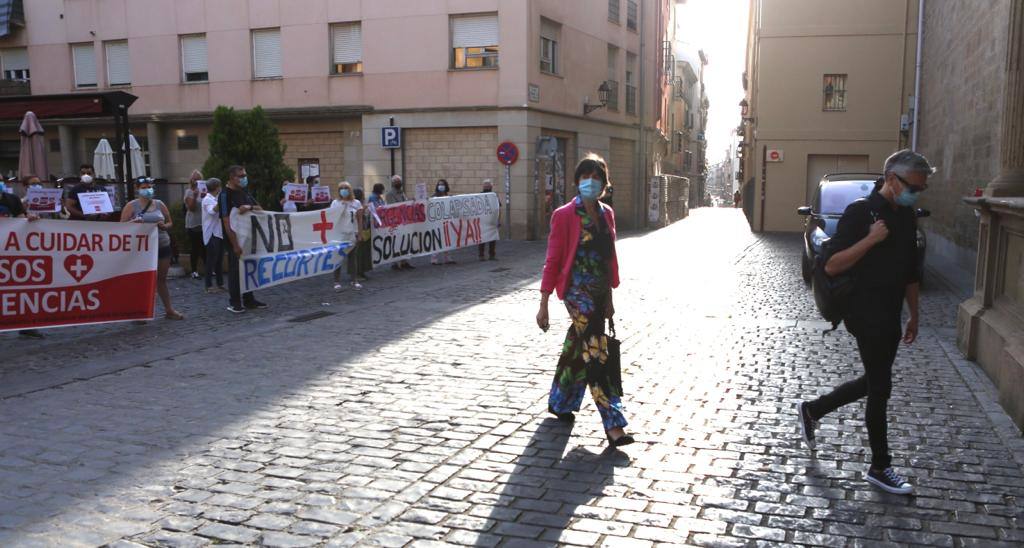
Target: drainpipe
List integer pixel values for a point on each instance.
(641, 169)
(917, 73)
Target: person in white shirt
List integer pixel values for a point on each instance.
(213, 237)
(351, 212)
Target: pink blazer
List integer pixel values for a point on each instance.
(562, 243)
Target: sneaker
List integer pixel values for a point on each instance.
(338, 287)
(888, 480)
(357, 286)
(235, 309)
(195, 275)
(256, 304)
(807, 424)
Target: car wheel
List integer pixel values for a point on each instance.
(805, 267)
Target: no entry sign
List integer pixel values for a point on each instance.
(508, 153)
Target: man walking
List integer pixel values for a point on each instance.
(876, 242)
(236, 197)
(489, 187)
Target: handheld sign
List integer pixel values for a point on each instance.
(44, 200)
(321, 194)
(296, 192)
(421, 192)
(201, 187)
(95, 202)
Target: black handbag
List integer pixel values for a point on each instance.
(614, 364)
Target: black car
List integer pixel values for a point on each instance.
(834, 193)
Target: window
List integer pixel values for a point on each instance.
(631, 14)
(347, 44)
(474, 41)
(193, 58)
(631, 83)
(835, 92)
(119, 68)
(266, 53)
(550, 34)
(613, 10)
(613, 78)
(188, 142)
(84, 58)
(15, 64)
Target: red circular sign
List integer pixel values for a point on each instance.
(508, 153)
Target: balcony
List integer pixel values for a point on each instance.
(10, 88)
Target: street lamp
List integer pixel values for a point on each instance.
(603, 91)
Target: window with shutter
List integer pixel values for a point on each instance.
(347, 45)
(613, 10)
(613, 78)
(630, 83)
(631, 14)
(474, 41)
(119, 68)
(266, 53)
(550, 33)
(15, 64)
(84, 58)
(194, 66)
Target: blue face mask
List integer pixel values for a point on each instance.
(343, 193)
(907, 198)
(146, 193)
(244, 181)
(590, 189)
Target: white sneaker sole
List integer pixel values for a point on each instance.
(803, 429)
(888, 488)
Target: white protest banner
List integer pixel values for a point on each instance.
(296, 192)
(321, 194)
(44, 200)
(283, 247)
(55, 273)
(415, 229)
(95, 202)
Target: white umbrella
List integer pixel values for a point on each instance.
(138, 163)
(103, 161)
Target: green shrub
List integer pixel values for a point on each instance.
(178, 231)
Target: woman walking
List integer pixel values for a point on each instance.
(146, 209)
(582, 268)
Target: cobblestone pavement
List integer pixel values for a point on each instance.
(413, 413)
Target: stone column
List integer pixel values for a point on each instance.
(66, 136)
(156, 149)
(1010, 181)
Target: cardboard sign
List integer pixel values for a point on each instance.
(95, 202)
(321, 194)
(421, 192)
(55, 273)
(201, 188)
(296, 192)
(44, 200)
(416, 229)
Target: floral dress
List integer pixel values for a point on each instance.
(585, 351)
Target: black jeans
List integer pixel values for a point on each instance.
(878, 352)
(491, 244)
(238, 299)
(195, 245)
(215, 261)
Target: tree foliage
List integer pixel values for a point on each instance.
(250, 139)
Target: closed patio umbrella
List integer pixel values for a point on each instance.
(103, 161)
(32, 156)
(138, 162)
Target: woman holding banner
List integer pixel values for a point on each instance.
(582, 268)
(351, 212)
(445, 257)
(147, 209)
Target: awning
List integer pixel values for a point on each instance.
(68, 105)
(11, 13)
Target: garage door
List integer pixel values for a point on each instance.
(620, 165)
(819, 165)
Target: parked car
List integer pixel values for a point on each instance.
(834, 193)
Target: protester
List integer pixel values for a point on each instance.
(396, 196)
(582, 268)
(737, 199)
(147, 209)
(236, 197)
(445, 257)
(363, 260)
(194, 222)
(489, 187)
(351, 212)
(876, 242)
(377, 195)
(11, 206)
(72, 203)
(86, 169)
(213, 237)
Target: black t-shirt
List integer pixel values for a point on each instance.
(83, 187)
(10, 205)
(231, 198)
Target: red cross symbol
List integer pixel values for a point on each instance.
(323, 226)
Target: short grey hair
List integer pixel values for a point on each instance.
(212, 184)
(904, 162)
(396, 178)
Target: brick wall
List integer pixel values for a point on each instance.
(327, 146)
(462, 156)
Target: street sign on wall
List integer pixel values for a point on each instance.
(508, 153)
(391, 137)
(774, 155)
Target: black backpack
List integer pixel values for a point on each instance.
(832, 293)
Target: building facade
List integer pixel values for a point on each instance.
(458, 78)
(688, 121)
(829, 87)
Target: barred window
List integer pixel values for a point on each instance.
(834, 90)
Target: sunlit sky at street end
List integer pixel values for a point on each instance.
(719, 27)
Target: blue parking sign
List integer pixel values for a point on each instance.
(391, 137)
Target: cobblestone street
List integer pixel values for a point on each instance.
(414, 413)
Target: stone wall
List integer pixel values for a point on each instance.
(962, 81)
(326, 146)
(462, 156)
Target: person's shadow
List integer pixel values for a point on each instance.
(547, 486)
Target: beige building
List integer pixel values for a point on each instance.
(459, 77)
(688, 121)
(828, 83)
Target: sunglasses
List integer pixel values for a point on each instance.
(913, 189)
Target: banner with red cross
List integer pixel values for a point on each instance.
(57, 273)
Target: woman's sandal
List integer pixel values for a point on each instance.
(564, 417)
(175, 316)
(624, 439)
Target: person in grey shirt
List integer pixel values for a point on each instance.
(194, 222)
(147, 209)
(396, 196)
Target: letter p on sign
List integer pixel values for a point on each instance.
(391, 137)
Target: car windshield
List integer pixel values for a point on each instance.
(836, 195)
